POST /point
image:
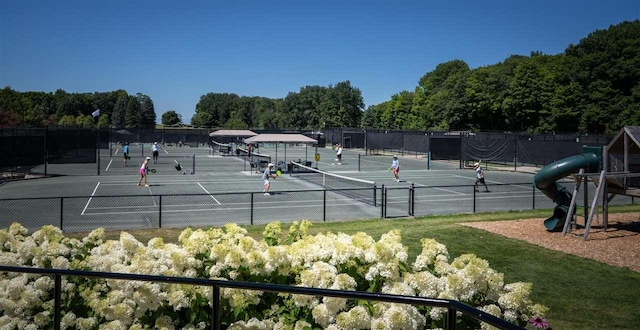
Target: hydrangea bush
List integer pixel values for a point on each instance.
(327, 260)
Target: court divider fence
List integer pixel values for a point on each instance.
(130, 212)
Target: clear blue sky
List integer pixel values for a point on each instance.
(177, 51)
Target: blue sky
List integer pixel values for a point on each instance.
(177, 51)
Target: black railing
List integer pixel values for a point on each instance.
(452, 306)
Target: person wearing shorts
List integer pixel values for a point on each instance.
(266, 175)
(395, 168)
(154, 152)
(125, 152)
(480, 177)
(339, 153)
(143, 172)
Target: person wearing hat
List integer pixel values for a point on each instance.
(339, 153)
(265, 177)
(395, 168)
(154, 152)
(143, 172)
(480, 177)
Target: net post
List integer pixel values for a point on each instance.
(193, 163)
(359, 162)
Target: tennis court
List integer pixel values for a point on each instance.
(225, 189)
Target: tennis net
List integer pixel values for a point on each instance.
(223, 149)
(358, 189)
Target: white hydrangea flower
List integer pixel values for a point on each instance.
(16, 229)
(129, 243)
(68, 320)
(164, 322)
(87, 323)
(113, 325)
(252, 324)
(322, 315)
(516, 296)
(356, 318)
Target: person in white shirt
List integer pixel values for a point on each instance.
(480, 177)
(395, 168)
(265, 178)
(154, 152)
(339, 153)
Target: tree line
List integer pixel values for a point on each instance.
(115, 109)
(592, 87)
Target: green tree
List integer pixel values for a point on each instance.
(119, 110)
(147, 111)
(103, 121)
(214, 109)
(133, 115)
(171, 117)
(67, 121)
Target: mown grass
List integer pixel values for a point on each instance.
(581, 293)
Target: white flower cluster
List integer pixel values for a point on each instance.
(328, 260)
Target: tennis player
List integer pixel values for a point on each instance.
(125, 152)
(143, 172)
(154, 151)
(265, 177)
(339, 153)
(480, 177)
(395, 168)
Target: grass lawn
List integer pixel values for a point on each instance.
(581, 293)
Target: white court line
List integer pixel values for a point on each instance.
(152, 198)
(165, 151)
(205, 190)
(106, 169)
(450, 191)
(89, 201)
(115, 153)
(447, 190)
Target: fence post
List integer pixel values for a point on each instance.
(160, 212)
(358, 162)
(451, 318)
(474, 199)
(251, 216)
(193, 170)
(534, 196)
(215, 310)
(57, 301)
(382, 202)
(411, 199)
(61, 212)
(324, 205)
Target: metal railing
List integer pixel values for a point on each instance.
(127, 212)
(452, 306)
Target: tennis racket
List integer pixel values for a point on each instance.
(152, 170)
(389, 169)
(178, 166)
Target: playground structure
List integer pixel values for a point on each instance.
(613, 169)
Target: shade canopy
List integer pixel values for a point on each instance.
(280, 138)
(233, 132)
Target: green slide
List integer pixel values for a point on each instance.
(546, 178)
